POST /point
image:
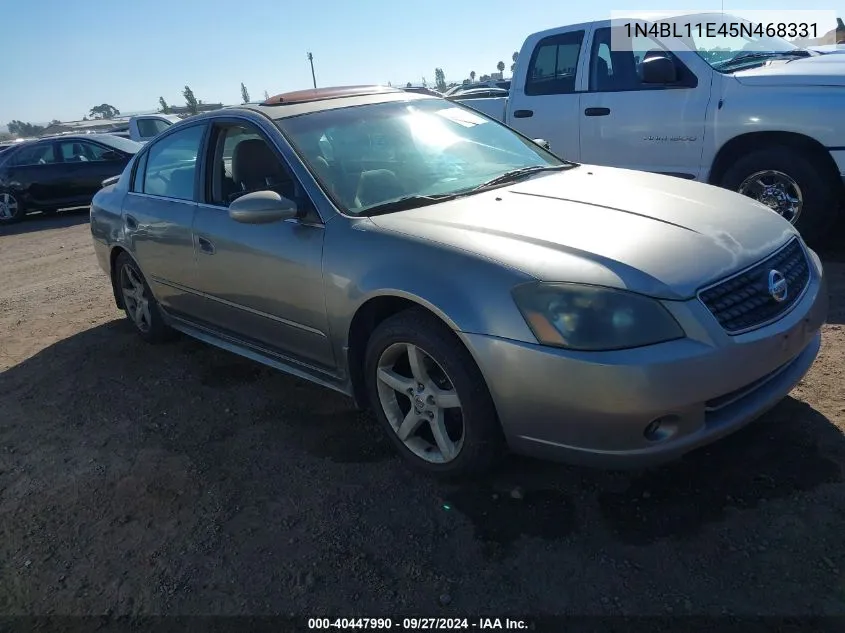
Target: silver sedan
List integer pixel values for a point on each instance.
(471, 288)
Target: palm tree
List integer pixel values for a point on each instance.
(513, 58)
(501, 67)
(472, 75)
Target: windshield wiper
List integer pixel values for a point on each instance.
(752, 55)
(408, 202)
(518, 174)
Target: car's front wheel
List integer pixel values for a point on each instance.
(11, 207)
(430, 396)
(140, 306)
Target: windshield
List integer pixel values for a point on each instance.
(723, 40)
(366, 156)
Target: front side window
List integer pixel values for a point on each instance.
(171, 164)
(383, 152)
(554, 64)
(245, 162)
(39, 154)
(616, 61)
(82, 152)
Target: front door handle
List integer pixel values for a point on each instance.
(206, 246)
(523, 114)
(597, 111)
(131, 223)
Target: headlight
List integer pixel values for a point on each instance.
(592, 318)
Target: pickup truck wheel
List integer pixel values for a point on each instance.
(792, 183)
(429, 395)
(140, 306)
(11, 208)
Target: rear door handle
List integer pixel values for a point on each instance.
(523, 114)
(131, 223)
(597, 111)
(206, 246)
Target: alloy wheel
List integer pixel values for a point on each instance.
(8, 206)
(135, 298)
(420, 403)
(777, 190)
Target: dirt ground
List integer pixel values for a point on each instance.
(180, 479)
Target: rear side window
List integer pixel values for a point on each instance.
(42, 154)
(171, 164)
(553, 64)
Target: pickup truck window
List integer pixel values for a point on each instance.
(615, 68)
(149, 128)
(553, 64)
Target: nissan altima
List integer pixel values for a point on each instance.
(472, 289)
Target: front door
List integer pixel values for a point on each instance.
(158, 213)
(262, 283)
(631, 124)
(546, 106)
(85, 166)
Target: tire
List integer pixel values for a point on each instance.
(476, 437)
(820, 207)
(11, 207)
(130, 283)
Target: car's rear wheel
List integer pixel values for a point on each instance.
(140, 306)
(11, 207)
(430, 396)
(792, 183)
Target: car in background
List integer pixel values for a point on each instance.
(58, 172)
(501, 84)
(422, 90)
(470, 287)
(479, 93)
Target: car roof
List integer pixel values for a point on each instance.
(290, 104)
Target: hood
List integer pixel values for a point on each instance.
(819, 70)
(657, 235)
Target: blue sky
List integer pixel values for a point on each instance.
(60, 58)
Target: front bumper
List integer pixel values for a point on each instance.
(594, 408)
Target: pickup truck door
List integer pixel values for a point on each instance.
(544, 102)
(627, 122)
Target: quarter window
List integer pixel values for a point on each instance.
(171, 164)
(554, 64)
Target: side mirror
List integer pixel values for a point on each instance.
(659, 70)
(542, 143)
(262, 207)
(111, 155)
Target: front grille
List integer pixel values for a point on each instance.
(743, 302)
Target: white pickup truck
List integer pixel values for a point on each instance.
(763, 118)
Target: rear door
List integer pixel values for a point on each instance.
(36, 173)
(546, 103)
(158, 213)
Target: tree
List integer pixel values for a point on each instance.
(501, 67)
(20, 128)
(266, 96)
(408, 85)
(244, 93)
(190, 100)
(440, 79)
(103, 111)
(165, 109)
(55, 122)
(514, 58)
(472, 75)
